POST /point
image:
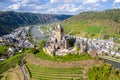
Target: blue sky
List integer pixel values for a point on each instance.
(58, 6)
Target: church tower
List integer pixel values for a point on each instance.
(59, 32)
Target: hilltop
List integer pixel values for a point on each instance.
(94, 24)
(10, 20)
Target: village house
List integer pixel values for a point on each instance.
(17, 40)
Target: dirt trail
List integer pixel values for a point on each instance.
(57, 64)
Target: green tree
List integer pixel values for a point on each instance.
(3, 49)
(41, 44)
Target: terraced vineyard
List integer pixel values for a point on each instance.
(95, 24)
(96, 29)
(47, 73)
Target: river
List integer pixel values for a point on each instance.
(37, 34)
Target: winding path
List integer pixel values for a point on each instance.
(24, 73)
(22, 68)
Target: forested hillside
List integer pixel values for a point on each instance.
(10, 20)
(95, 24)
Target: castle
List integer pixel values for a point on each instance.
(61, 44)
(58, 40)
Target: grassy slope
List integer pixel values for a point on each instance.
(13, 74)
(102, 72)
(99, 72)
(48, 73)
(94, 24)
(10, 63)
(9, 69)
(68, 57)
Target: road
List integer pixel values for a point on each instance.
(24, 73)
(115, 64)
(22, 68)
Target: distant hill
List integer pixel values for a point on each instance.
(94, 24)
(10, 20)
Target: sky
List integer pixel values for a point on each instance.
(71, 7)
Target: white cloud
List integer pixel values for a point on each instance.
(76, 9)
(56, 6)
(77, 1)
(117, 1)
(104, 0)
(25, 1)
(90, 1)
(74, 6)
(63, 8)
(15, 0)
(66, 6)
(116, 4)
(93, 1)
(66, 9)
(14, 6)
(54, 1)
(72, 1)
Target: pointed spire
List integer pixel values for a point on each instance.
(59, 26)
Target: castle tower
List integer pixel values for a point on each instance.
(59, 32)
(66, 44)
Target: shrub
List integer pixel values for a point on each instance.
(3, 49)
(41, 44)
(103, 72)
